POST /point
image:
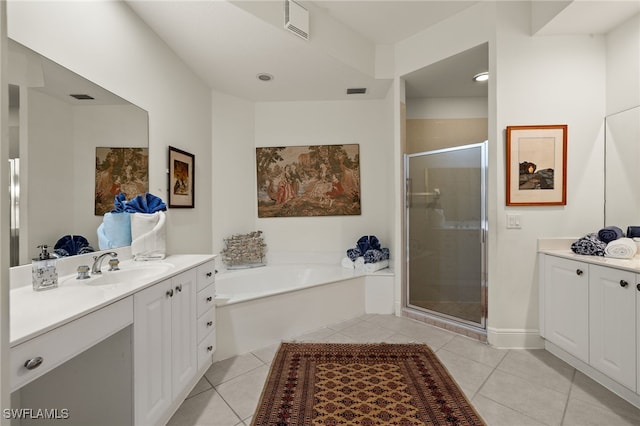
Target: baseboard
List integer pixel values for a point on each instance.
(512, 338)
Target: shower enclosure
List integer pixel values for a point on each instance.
(446, 234)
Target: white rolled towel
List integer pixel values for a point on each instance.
(148, 235)
(347, 263)
(376, 266)
(359, 263)
(622, 248)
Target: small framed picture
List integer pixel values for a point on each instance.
(181, 178)
(537, 165)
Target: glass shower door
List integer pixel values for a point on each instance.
(446, 233)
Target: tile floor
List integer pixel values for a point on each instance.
(507, 387)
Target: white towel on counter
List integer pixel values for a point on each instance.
(148, 234)
(376, 266)
(622, 248)
(348, 263)
(359, 263)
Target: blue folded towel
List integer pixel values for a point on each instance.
(385, 253)
(353, 254)
(147, 203)
(119, 203)
(114, 231)
(368, 242)
(70, 245)
(610, 233)
(373, 256)
(590, 245)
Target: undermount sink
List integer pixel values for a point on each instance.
(130, 271)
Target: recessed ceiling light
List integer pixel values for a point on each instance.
(483, 76)
(263, 76)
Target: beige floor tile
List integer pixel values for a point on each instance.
(581, 413)
(202, 385)
(243, 392)
(469, 375)
(315, 336)
(537, 402)
(267, 354)
(392, 322)
(338, 338)
(227, 369)
(424, 333)
(366, 332)
(495, 414)
(476, 351)
(247, 421)
(205, 409)
(345, 324)
(587, 390)
(539, 367)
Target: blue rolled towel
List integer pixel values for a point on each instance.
(373, 256)
(114, 231)
(610, 233)
(147, 203)
(589, 245)
(385, 253)
(70, 245)
(353, 254)
(368, 242)
(119, 203)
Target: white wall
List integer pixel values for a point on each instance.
(108, 44)
(623, 66)
(365, 122)
(447, 108)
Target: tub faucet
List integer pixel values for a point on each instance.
(97, 261)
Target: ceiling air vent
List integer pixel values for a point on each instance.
(296, 19)
(357, 91)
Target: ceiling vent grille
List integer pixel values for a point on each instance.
(357, 91)
(296, 19)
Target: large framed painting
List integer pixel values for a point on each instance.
(537, 165)
(118, 170)
(181, 178)
(314, 180)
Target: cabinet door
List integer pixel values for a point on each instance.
(184, 330)
(566, 304)
(612, 323)
(152, 353)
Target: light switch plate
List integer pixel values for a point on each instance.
(514, 221)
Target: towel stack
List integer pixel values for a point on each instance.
(610, 241)
(139, 222)
(70, 245)
(368, 255)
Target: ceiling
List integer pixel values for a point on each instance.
(227, 43)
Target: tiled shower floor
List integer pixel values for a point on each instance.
(507, 387)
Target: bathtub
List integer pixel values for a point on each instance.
(260, 307)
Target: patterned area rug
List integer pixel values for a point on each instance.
(361, 384)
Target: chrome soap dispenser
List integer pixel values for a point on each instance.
(43, 270)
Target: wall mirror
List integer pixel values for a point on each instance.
(53, 138)
(622, 170)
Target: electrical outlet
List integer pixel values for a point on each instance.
(514, 221)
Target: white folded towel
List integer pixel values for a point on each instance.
(622, 248)
(348, 263)
(359, 263)
(148, 234)
(376, 266)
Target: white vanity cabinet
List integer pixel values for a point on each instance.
(612, 323)
(165, 357)
(566, 305)
(590, 318)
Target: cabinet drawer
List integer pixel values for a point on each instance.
(65, 342)
(206, 323)
(206, 299)
(206, 274)
(206, 348)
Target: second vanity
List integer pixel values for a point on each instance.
(165, 309)
(590, 315)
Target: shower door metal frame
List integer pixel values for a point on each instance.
(482, 325)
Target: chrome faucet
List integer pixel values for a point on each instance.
(97, 261)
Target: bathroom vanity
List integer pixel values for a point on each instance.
(165, 310)
(590, 315)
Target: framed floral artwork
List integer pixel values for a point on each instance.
(181, 178)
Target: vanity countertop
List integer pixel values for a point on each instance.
(561, 247)
(36, 312)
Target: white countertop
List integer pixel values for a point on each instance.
(36, 312)
(561, 247)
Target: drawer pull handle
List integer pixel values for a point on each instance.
(209, 274)
(209, 348)
(210, 323)
(623, 283)
(209, 299)
(170, 293)
(579, 271)
(179, 288)
(34, 363)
